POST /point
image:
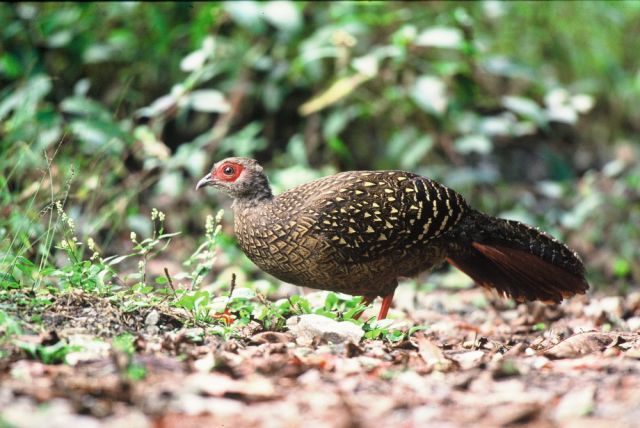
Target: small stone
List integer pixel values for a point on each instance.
(633, 323)
(306, 328)
(152, 318)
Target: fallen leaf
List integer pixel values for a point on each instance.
(580, 344)
(271, 337)
(512, 414)
(576, 403)
(218, 385)
(432, 354)
(469, 359)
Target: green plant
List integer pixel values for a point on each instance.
(49, 354)
(124, 344)
(381, 330)
(8, 326)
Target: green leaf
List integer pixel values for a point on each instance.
(621, 268)
(525, 107)
(539, 326)
(8, 281)
(430, 93)
(395, 335)
(86, 107)
(124, 343)
(330, 301)
(136, 372)
(114, 260)
(339, 147)
(283, 14)
(10, 66)
(168, 235)
(415, 329)
(209, 101)
(440, 37)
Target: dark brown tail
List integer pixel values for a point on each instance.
(517, 260)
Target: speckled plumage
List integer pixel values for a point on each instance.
(357, 232)
(353, 232)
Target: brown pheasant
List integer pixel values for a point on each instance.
(356, 232)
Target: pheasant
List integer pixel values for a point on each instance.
(356, 232)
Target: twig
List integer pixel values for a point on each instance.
(166, 274)
(233, 287)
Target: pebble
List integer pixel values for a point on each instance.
(309, 327)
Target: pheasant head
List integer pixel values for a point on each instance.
(241, 178)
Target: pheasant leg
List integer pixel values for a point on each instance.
(384, 309)
(386, 304)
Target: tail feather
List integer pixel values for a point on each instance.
(518, 261)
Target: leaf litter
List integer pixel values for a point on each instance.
(575, 364)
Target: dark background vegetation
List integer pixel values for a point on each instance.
(530, 110)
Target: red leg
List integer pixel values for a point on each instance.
(386, 304)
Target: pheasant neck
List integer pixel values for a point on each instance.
(258, 193)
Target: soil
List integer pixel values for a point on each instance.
(488, 365)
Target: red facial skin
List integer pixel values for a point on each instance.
(228, 176)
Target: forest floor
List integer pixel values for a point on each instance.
(571, 365)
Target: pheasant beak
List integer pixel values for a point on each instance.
(206, 181)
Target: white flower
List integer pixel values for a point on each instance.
(208, 225)
(91, 244)
(133, 236)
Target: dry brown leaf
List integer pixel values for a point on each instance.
(468, 360)
(432, 354)
(218, 385)
(271, 337)
(581, 344)
(576, 403)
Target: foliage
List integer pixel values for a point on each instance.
(49, 354)
(110, 112)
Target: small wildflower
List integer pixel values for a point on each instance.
(219, 216)
(64, 244)
(133, 237)
(91, 244)
(141, 265)
(59, 207)
(154, 214)
(209, 225)
(161, 216)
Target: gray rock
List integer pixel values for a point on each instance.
(306, 328)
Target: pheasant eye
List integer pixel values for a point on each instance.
(228, 170)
